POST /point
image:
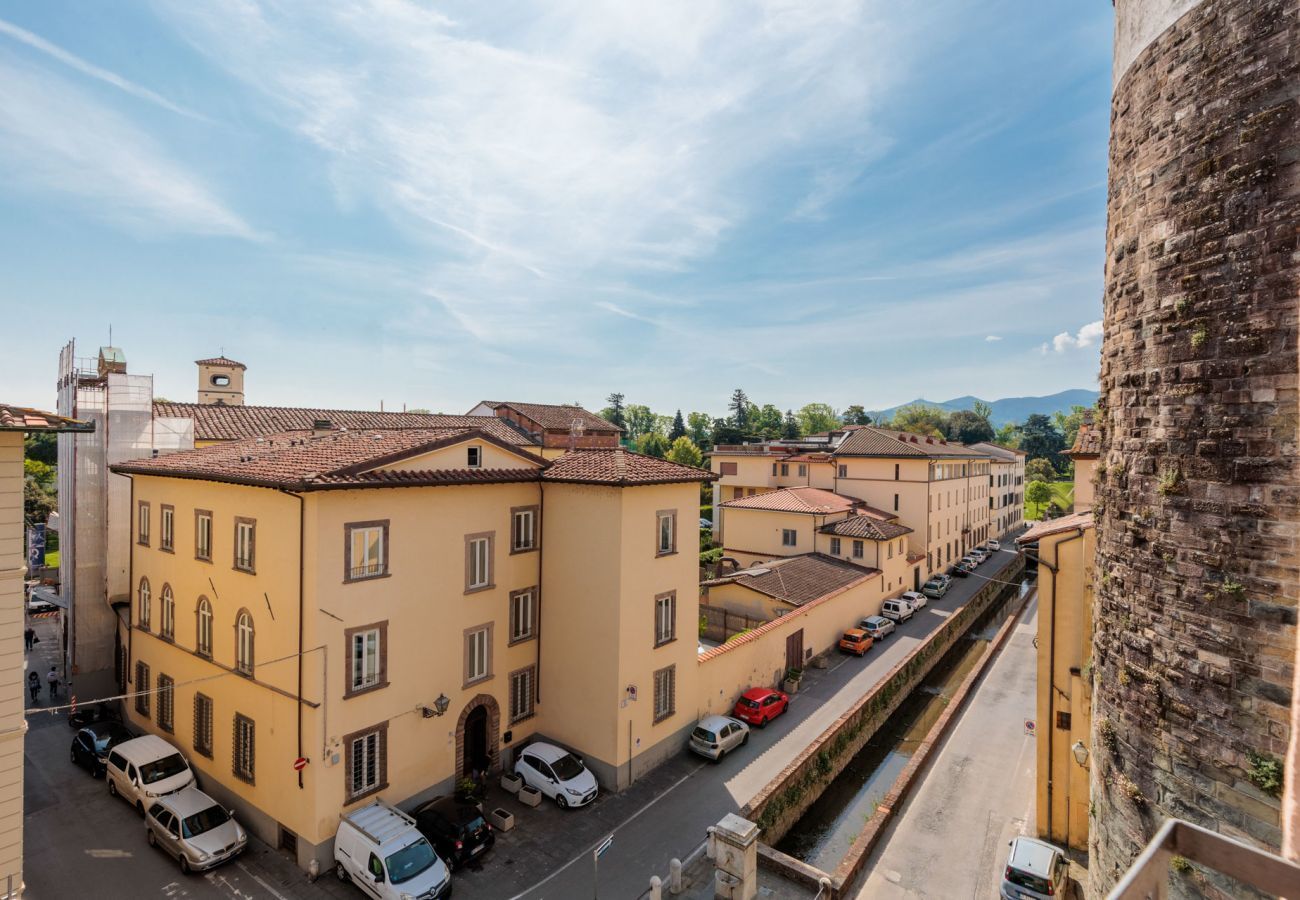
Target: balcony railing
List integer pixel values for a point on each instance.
(369, 571)
(1148, 878)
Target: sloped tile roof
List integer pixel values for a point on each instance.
(219, 361)
(866, 527)
(1087, 443)
(1057, 526)
(24, 418)
(231, 423)
(997, 451)
(871, 441)
(556, 416)
(620, 467)
(798, 580)
(796, 499)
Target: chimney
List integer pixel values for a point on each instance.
(321, 427)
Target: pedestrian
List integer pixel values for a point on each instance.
(29, 636)
(53, 680)
(34, 685)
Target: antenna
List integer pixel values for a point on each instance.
(110, 334)
(575, 433)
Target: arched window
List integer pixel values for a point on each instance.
(244, 642)
(144, 604)
(203, 641)
(168, 613)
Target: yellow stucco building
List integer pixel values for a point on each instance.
(397, 608)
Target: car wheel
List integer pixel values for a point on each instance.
(340, 873)
(185, 865)
(112, 788)
(561, 802)
(745, 739)
(762, 723)
(149, 836)
(139, 807)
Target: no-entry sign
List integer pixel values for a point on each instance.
(300, 763)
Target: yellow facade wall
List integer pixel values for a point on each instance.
(13, 724)
(757, 534)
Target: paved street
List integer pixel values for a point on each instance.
(77, 835)
(950, 840)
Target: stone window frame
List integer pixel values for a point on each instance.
(470, 539)
(350, 689)
(251, 562)
(661, 638)
(467, 681)
(660, 515)
(200, 648)
(669, 684)
(167, 613)
(142, 522)
(381, 762)
(142, 687)
(516, 714)
(533, 616)
(243, 749)
(349, 574)
(203, 715)
(144, 604)
(167, 528)
(515, 511)
(166, 703)
(245, 663)
(199, 516)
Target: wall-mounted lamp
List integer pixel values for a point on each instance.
(1080, 753)
(439, 707)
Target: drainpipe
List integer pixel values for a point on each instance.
(541, 548)
(302, 541)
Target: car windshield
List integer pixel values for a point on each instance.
(566, 767)
(474, 824)
(111, 736)
(933, 585)
(1026, 880)
(162, 768)
(410, 861)
(202, 822)
(705, 735)
(746, 702)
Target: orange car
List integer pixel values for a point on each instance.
(855, 641)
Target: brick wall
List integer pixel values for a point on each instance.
(1197, 494)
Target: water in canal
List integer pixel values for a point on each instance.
(830, 826)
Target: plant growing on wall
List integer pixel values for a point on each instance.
(1266, 772)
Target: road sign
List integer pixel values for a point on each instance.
(300, 763)
(1029, 726)
(596, 854)
(603, 847)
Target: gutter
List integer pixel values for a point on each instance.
(302, 541)
(132, 525)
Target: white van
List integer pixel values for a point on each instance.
(379, 849)
(898, 610)
(145, 768)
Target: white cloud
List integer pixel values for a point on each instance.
(1089, 335)
(53, 136)
(992, 338)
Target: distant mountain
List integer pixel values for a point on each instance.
(1008, 409)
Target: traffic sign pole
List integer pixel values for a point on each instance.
(595, 865)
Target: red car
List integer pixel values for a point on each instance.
(758, 706)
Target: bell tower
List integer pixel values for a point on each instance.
(221, 381)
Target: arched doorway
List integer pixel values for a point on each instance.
(478, 736)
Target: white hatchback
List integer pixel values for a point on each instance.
(557, 773)
(716, 736)
(916, 598)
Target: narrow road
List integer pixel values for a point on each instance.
(950, 840)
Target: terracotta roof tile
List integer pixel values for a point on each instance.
(556, 416)
(219, 361)
(799, 579)
(796, 499)
(871, 441)
(620, 467)
(24, 418)
(1057, 526)
(868, 527)
(1087, 443)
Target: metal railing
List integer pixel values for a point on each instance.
(1148, 877)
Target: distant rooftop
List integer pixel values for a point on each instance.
(220, 361)
(26, 419)
(1057, 526)
(867, 527)
(798, 580)
(556, 416)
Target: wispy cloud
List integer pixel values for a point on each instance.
(37, 42)
(992, 338)
(53, 136)
(1088, 336)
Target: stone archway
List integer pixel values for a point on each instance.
(487, 703)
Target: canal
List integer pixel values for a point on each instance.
(828, 829)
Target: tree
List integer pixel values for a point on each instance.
(856, 415)
(1039, 438)
(1039, 493)
(419, 410)
(40, 497)
(700, 427)
(1069, 424)
(679, 427)
(918, 418)
(685, 452)
(652, 444)
(815, 418)
(1009, 436)
(790, 428)
(1039, 470)
(768, 422)
(966, 427)
(739, 407)
(663, 425)
(43, 446)
(726, 432)
(639, 420)
(983, 410)
(613, 413)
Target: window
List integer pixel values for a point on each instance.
(203, 534)
(142, 523)
(245, 543)
(844, 471)
(145, 605)
(785, 468)
(667, 520)
(142, 688)
(891, 551)
(242, 762)
(835, 546)
(522, 693)
(478, 654)
(895, 471)
(474, 457)
(737, 493)
(665, 618)
(858, 549)
(789, 537)
(523, 529)
(366, 761)
(168, 613)
(523, 615)
(168, 525)
(803, 470)
(727, 468)
(365, 550)
(203, 628)
(367, 658)
(478, 561)
(244, 643)
(773, 468)
(165, 686)
(1063, 720)
(895, 503)
(220, 380)
(665, 681)
(203, 724)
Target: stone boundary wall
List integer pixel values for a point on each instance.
(787, 797)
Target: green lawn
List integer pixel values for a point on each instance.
(1062, 495)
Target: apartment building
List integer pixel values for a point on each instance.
(400, 607)
(1007, 483)
(555, 428)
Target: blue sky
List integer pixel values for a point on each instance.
(430, 204)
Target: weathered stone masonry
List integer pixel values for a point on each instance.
(1197, 496)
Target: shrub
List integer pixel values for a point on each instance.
(1265, 772)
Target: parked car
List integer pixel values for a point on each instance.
(877, 627)
(758, 706)
(944, 577)
(1036, 870)
(195, 829)
(38, 604)
(716, 736)
(979, 556)
(145, 768)
(855, 641)
(963, 569)
(557, 773)
(898, 610)
(916, 598)
(380, 848)
(456, 829)
(705, 524)
(91, 744)
(934, 588)
(993, 545)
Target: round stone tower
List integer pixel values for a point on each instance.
(1195, 576)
